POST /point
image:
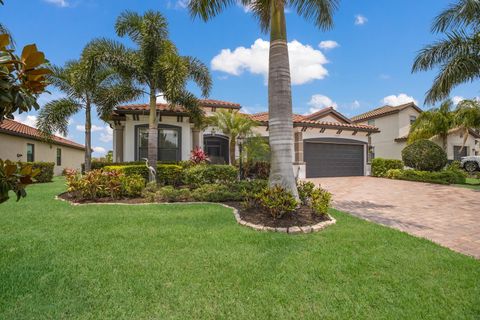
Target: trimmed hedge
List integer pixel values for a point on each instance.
(167, 174)
(209, 174)
(439, 177)
(46, 171)
(424, 155)
(381, 166)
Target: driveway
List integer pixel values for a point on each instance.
(449, 216)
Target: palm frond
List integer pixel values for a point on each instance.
(54, 116)
(199, 73)
(433, 122)
(319, 11)
(107, 97)
(207, 9)
(459, 15)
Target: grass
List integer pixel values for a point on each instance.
(471, 183)
(194, 262)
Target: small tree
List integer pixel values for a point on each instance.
(424, 155)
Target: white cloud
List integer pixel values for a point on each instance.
(457, 99)
(396, 100)
(360, 20)
(60, 3)
(95, 128)
(306, 63)
(355, 105)
(27, 120)
(99, 150)
(107, 136)
(178, 4)
(161, 99)
(319, 101)
(328, 45)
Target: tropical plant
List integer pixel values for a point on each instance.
(271, 16)
(22, 78)
(15, 177)
(434, 122)
(155, 66)
(257, 149)
(198, 156)
(86, 84)
(233, 124)
(467, 117)
(458, 54)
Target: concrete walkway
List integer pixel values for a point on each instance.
(449, 216)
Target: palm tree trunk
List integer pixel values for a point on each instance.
(152, 134)
(280, 103)
(233, 142)
(445, 142)
(88, 136)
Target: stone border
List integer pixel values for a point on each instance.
(290, 230)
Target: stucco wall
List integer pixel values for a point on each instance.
(129, 135)
(456, 139)
(384, 141)
(10, 146)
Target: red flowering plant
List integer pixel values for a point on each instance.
(198, 156)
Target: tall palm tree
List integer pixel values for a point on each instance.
(155, 66)
(86, 84)
(434, 122)
(458, 54)
(233, 124)
(467, 117)
(271, 16)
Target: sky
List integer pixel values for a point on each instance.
(362, 63)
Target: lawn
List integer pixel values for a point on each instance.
(471, 183)
(194, 262)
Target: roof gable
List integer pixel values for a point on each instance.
(330, 111)
(384, 111)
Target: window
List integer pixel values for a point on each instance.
(168, 143)
(371, 154)
(30, 152)
(371, 122)
(59, 157)
(459, 152)
(413, 119)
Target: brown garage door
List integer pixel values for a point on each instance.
(331, 158)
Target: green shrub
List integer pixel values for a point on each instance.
(209, 174)
(97, 165)
(215, 193)
(45, 170)
(277, 201)
(424, 155)
(167, 174)
(380, 166)
(457, 172)
(256, 170)
(305, 189)
(248, 186)
(320, 201)
(172, 194)
(439, 177)
(132, 186)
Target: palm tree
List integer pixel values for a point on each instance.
(154, 65)
(467, 117)
(233, 124)
(434, 122)
(86, 84)
(458, 54)
(271, 16)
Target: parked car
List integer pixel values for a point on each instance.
(470, 163)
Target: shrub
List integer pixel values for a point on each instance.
(256, 170)
(380, 166)
(457, 173)
(215, 193)
(439, 177)
(305, 189)
(167, 174)
(198, 156)
(132, 185)
(15, 177)
(424, 155)
(171, 194)
(277, 201)
(209, 174)
(320, 201)
(245, 187)
(45, 170)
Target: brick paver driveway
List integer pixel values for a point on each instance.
(449, 216)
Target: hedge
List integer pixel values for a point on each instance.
(46, 171)
(167, 174)
(424, 155)
(381, 166)
(102, 164)
(209, 174)
(439, 177)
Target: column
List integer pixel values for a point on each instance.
(298, 144)
(196, 138)
(118, 143)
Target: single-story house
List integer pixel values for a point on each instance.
(326, 142)
(19, 142)
(394, 125)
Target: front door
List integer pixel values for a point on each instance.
(216, 148)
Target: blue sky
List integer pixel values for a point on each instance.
(362, 63)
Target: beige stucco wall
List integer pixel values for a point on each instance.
(10, 146)
(384, 141)
(456, 139)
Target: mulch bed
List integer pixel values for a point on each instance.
(71, 198)
(304, 216)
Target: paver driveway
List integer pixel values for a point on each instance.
(449, 216)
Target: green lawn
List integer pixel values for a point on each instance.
(194, 262)
(471, 183)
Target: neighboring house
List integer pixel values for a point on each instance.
(394, 125)
(19, 142)
(326, 142)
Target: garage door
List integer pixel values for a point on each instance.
(329, 159)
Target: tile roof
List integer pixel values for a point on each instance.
(208, 103)
(326, 111)
(383, 111)
(299, 120)
(19, 129)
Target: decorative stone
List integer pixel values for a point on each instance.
(294, 230)
(306, 229)
(269, 229)
(284, 230)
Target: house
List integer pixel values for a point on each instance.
(326, 142)
(394, 125)
(19, 142)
